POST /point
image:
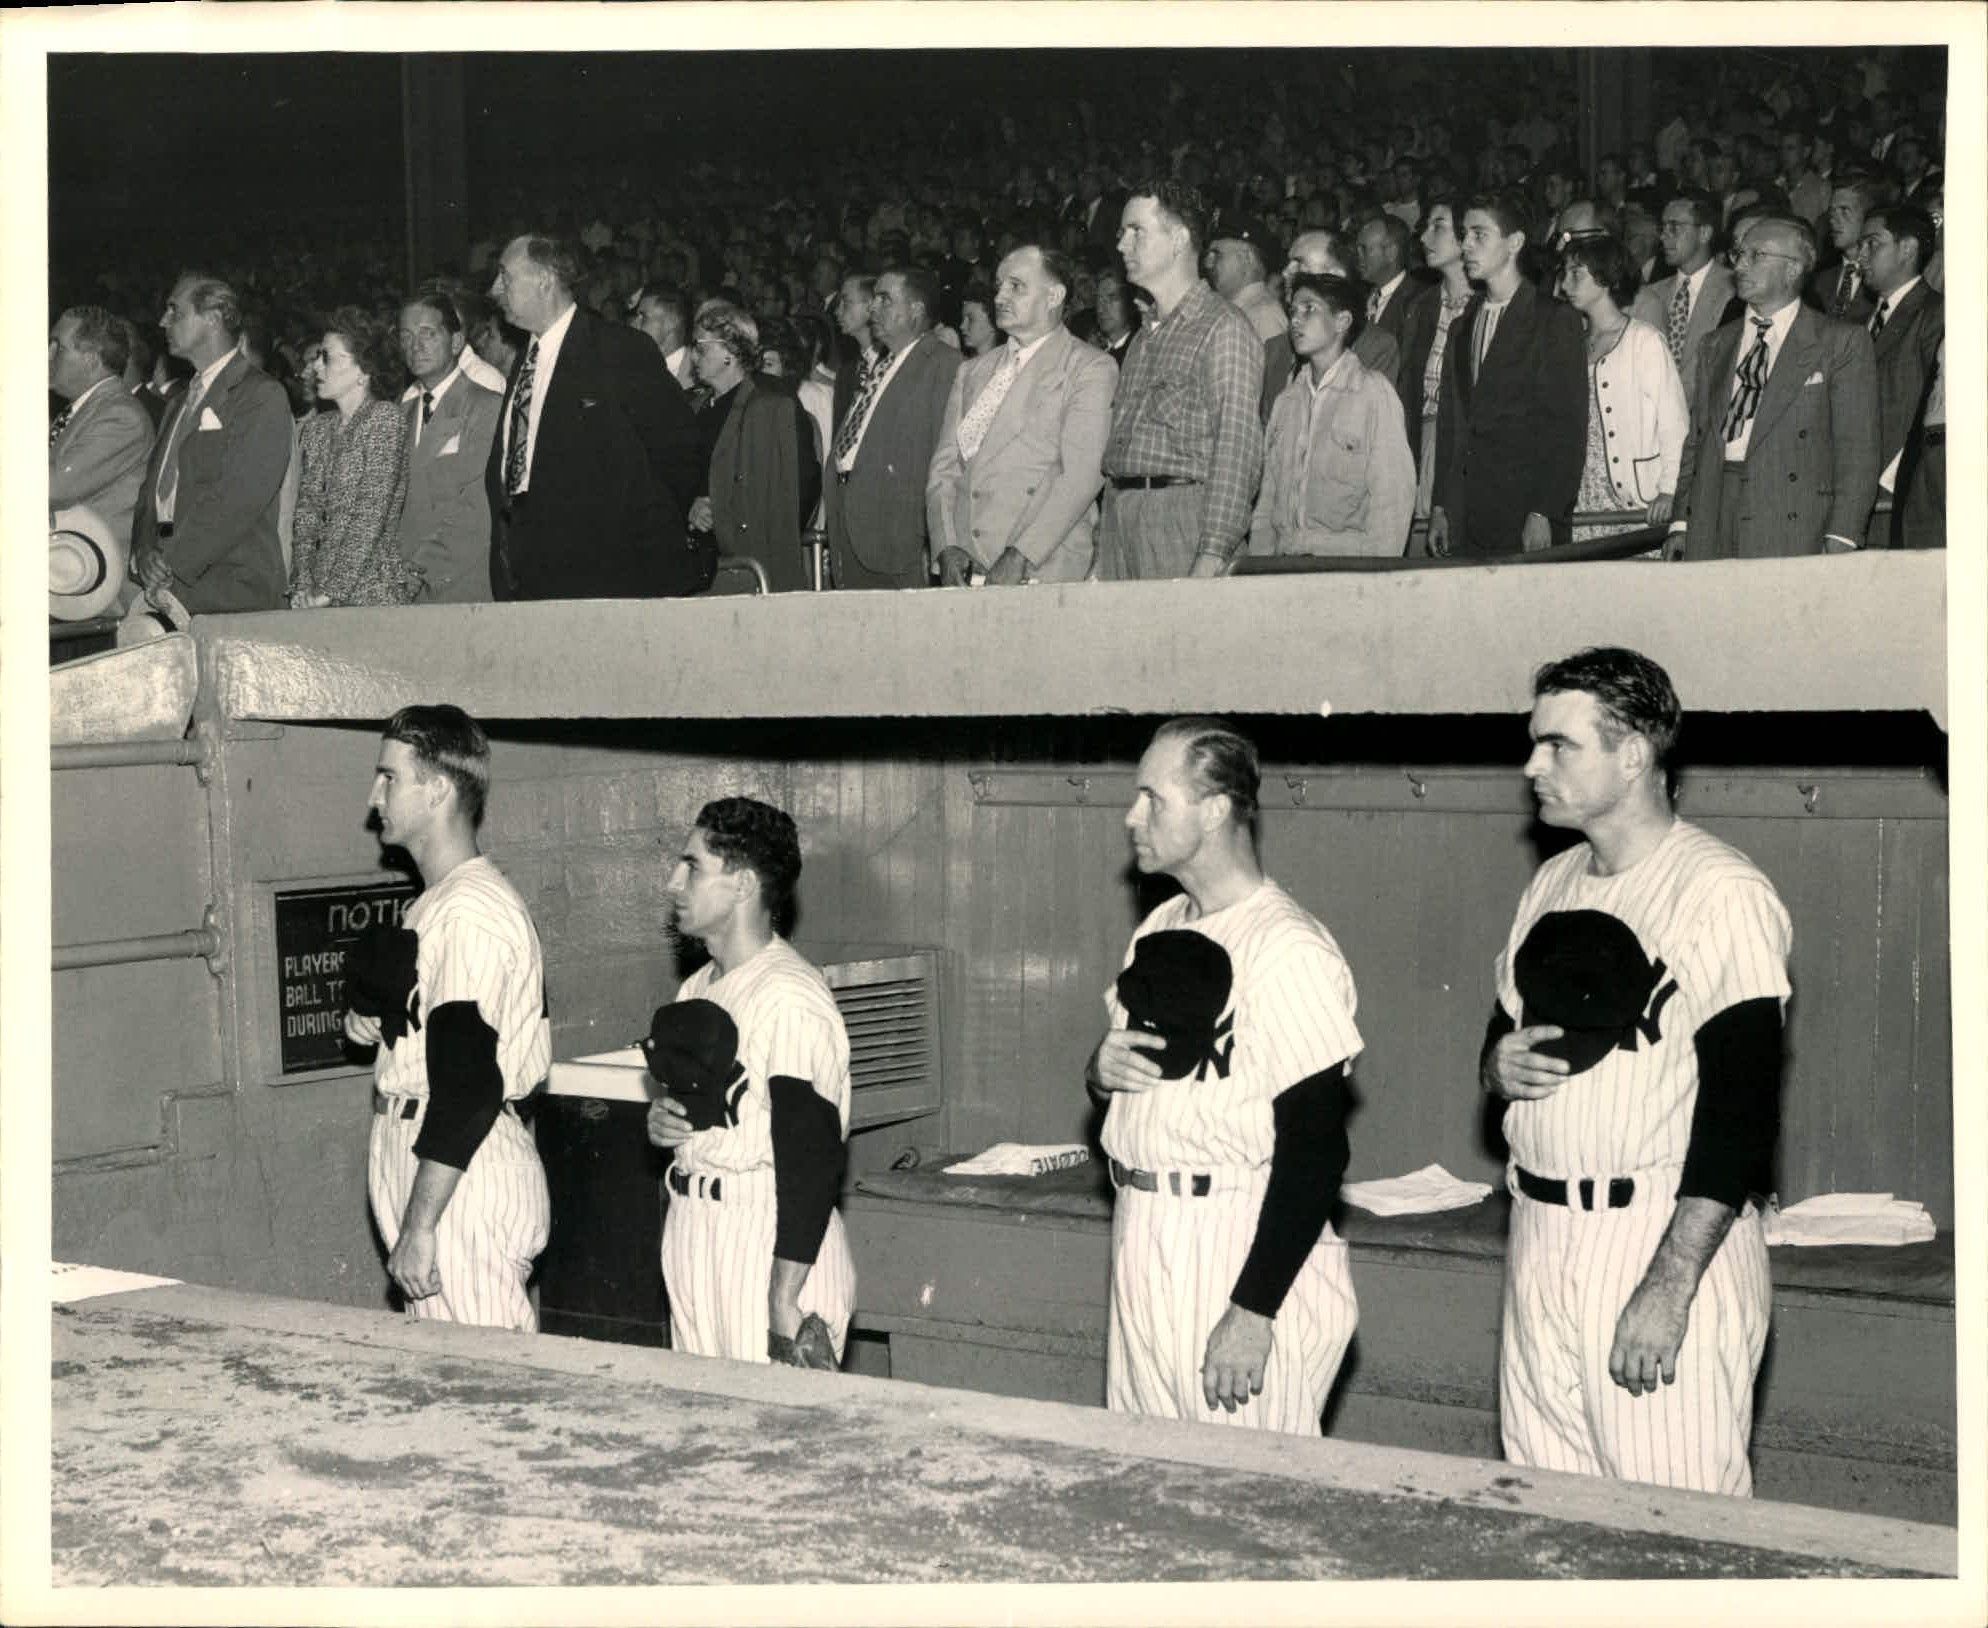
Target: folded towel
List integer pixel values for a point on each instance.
(1419, 1193)
(1849, 1218)
(1022, 1159)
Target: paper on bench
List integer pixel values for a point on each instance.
(1022, 1159)
(1420, 1192)
(1849, 1218)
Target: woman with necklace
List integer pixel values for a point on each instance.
(1637, 417)
(352, 472)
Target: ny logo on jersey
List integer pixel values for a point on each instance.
(1221, 1048)
(1649, 1023)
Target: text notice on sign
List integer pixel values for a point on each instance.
(314, 928)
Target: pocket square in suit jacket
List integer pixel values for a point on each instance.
(207, 419)
(450, 447)
(1813, 378)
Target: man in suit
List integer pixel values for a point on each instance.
(1012, 492)
(1688, 305)
(851, 307)
(1395, 300)
(595, 452)
(1512, 419)
(206, 528)
(1782, 454)
(874, 487)
(1838, 290)
(662, 314)
(98, 443)
(1118, 318)
(451, 421)
(1906, 327)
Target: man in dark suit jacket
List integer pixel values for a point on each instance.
(1837, 289)
(1512, 424)
(1782, 455)
(595, 451)
(874, 485)
(206, 524)
(1906, 328)
(1398, 303)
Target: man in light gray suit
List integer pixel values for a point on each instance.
(451, 419)
(99, 443)
(1686, 306)
(1012, 492)
(1782, 456)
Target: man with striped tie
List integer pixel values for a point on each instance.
(1224, 1070)
(1636, 1039)
(1782, 455)
(1686, 307)
(454, 1000)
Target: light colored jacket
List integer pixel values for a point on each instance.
(1644, 416)
(1337, 476)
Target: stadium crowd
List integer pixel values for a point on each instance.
(1159, 341)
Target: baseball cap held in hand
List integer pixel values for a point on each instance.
(1584, 971)
(692, 1050)
(1176, 987)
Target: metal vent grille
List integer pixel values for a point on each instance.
(890, 1006)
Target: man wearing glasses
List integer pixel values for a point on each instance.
(1782, 457)
(1687, 306)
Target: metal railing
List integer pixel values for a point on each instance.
(204, 942)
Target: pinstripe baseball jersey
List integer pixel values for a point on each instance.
(1290, 1016)
(788, 1025)
(1700, 908)
(476, 943)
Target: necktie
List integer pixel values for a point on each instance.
(1680, 318)
(1748, 380)
(980, 416)
(427, 405)
(859, 409)
(1846, 288)
(169, 464)
(1374, 306)
(1880, 316)
(521, 411)
(59, 423)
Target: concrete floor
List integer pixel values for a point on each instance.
(206, 1437)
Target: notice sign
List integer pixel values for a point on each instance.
(314, 929)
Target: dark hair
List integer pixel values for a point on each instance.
(1705, 209)
(449, 741)
(1633, 692)
(784, 337)
(1607, 261)
(105, 335)
(978, 291)
(557, 256)
(1341, 294)
(920, 286)
(1397, 232)
(1221, 761)
(745, 831)
(374, 348)
(1507, 209)
(1184, 203)
(210, 296)
(670, 298)
(439, 300)
(1902, 221)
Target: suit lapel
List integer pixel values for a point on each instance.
(1899, 321)
(1014, 410)
(1798, 359)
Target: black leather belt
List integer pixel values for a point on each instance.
(710, 1187)
(409, 1106)
(1547, 1190)
(1148, 1181)
(1152, 483)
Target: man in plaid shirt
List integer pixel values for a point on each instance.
(1186, 442)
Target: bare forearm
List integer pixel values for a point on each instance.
(434, 1186)
(1697, 1227)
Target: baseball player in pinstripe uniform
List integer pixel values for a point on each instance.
(1637, 1038)
(752, 1243)
(1224, 1069)
(454, 1177)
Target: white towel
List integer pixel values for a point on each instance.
(1420, 1192)
(1022, 1159)
(1849, 1218)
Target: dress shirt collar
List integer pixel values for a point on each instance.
(1777, 326)
(111, 377)
(214, 369)
(1387, 289)
(1337, 376)
(1696, 281)
(1888, 302)
(1022, 353)
(413, 391)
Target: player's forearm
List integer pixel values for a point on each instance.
(1697, 1227)
(784, 1283)
(434, 1186)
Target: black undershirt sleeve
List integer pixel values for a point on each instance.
(1495, 1030)
(1737, 1118)
(807, 1167)
(465, 1085)
(1306, 1162)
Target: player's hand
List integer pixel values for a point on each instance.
(362, 1030)
(153, 571)
(1010, 570)
(1536, 534)
(668, 1125)
(1647, 1337)
(1660, 507)
(1439, 534)
(954, 564)
(1238, 1352)
(1674, 547)
(1518, 1072)
(1127, 1061)
(412, 1263)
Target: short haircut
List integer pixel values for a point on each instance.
(1221, 760)
(1398, 235)
(105, 335)
(1505, 209)
(671, 299)
(1341, 294)
(789, 340)
(1181, 201)
(1705, 209)
(451, 743)
(1803, 234)
(1903, 221)
(212, 297)
(733, 328)
(1607, 262)
(745, 831)
(921, 287)
(441, 301)
(1631, 690)
(375, 347)
(1058, 267)
(556, 254)
(866, 283)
